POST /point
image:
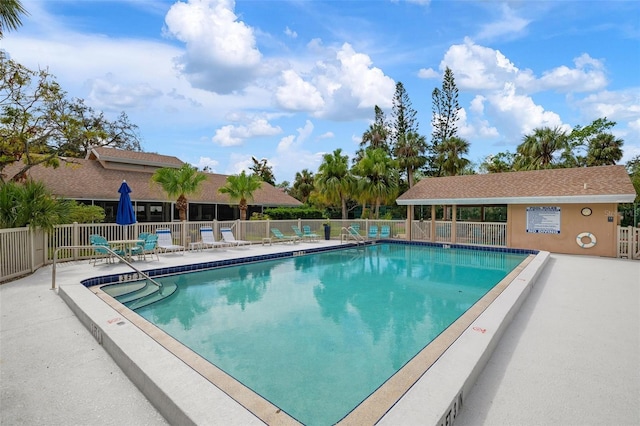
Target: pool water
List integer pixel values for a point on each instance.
(316, 334)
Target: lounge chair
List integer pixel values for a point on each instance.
(308, 234)
(304, 235)
(208, 239)
(165, 241)
(285, 238)
(229, 238)
(385, 231)
(100, 246)
(373, 231)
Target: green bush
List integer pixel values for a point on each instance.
(289, 213)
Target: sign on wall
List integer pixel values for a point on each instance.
(543, 220)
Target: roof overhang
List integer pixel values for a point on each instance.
(580, 199)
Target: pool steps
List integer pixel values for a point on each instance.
(138, 294)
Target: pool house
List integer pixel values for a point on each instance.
(572, 211)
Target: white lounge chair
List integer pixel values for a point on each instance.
(165, 241)
(228, 237)
(208, 239)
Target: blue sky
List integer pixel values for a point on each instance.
(215, 82)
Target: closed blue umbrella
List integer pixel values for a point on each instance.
(125, 214)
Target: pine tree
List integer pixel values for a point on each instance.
(444, 118)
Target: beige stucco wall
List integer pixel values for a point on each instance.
(572, 223)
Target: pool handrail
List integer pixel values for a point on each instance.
(353, 233)
(122, 259)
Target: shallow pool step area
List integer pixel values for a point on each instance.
(137, 294)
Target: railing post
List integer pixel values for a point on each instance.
(32, 249)
(75, 240)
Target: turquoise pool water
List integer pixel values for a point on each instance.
(317, 334)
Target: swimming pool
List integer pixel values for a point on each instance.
(317, 334)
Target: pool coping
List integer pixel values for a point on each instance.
(183, 394)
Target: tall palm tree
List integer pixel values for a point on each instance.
(538, 149)
(409, 152)
(10, 11)
(179, 182)
(303, 185)
(450, 156)
(379, 180)
(241, 187)
(604, 150)
(334, 180)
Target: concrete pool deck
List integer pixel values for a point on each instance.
(570, 356)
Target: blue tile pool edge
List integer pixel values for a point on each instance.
(161, 272)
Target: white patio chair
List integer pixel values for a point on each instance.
(165, 241)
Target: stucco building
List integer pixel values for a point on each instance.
(571, 211)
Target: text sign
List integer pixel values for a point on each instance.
(543, 220)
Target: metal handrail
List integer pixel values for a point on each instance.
(351, 232)
(122, 259)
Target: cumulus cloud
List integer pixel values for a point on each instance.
(231, 135)
(343, 85)
(587, 76)
(428, 73)
(295, 94)
(292, 157)
(519, 114)
(221, 53)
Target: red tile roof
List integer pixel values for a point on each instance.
(578, 185)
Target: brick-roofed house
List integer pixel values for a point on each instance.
(543, 209)
(96, 179)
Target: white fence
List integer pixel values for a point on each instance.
(23, 250)
(629, 242)
(476, 233)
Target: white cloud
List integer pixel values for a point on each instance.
(342, 86)
(327, 135)
(509, 25)
(519, 115)
(295, 94)
(290, 33)
(210, 163)
(221, 53)
(231, 135)
(292, 157)
(587, 76)
(428, 73)
(107, 94)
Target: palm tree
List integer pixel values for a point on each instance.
(379, 180)
(604, 150)
(538, 149)
(303, 185)
(179, 182)
(409, 152)
(334, 180)
(10, 11)
(31, 204)
(241, 187)
(450, 156)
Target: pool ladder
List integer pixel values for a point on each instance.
(351, 233)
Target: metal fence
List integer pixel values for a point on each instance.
(23, 250)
